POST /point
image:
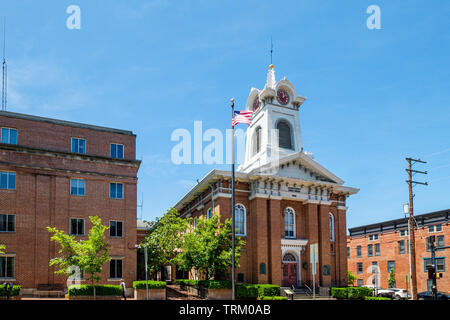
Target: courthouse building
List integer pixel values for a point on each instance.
(285, 201)
(58, 173)
(375, 249)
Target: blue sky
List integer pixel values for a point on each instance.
(374, 96)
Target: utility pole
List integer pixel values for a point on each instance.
(412, 242)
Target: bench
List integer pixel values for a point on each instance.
(50, 289)
(289, 293)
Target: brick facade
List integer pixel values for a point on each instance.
(389, 234)
(44, 166)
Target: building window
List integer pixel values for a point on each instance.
(77, 187)
(440, 241)
(289, 223)
(440, 264)
(78, 145)
(116, 190)
(9, 136)
(284, 135)
(348, 252)
(115, 269)
(370, 250)
(403, 233)
(116, 229)
(373, 237)
(209, 213)
(390, 265)
(77, 227)
(7, 223)
(401, 247)
(377, 249)
(435, 228)
(7, 267)
(358, 252)
(194, 222)
(240, 277)
(257, 141)
(7, 180)
(360, 282)
(331, 225)
(359, 267)
(116, 151)
(240, 216)
(374, 267)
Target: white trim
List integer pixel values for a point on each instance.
(245, 220)
(332, 227)
(294, 226)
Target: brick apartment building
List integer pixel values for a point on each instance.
(386, 245)
(285, 200)
(58, 173)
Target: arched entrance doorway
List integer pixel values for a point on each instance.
(289, 270)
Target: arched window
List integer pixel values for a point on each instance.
(289, 257)
(209, 213)
(284, 135)
(331, 223)
(240, 223)
(257, 141)
(289, 223)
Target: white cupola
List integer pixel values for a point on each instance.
(274, 132)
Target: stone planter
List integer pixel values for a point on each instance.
(96, 298)
(153, 294)
(19, 297)
(219, 294)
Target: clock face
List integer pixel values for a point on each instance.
(282, 97)
(256, 104)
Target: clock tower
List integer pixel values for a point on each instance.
(274, 132)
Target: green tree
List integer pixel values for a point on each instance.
(351, 278)
(88, 255)
(391, 279)
(164, 240)
(208, 248)
(2, 248)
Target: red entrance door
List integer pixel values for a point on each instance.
(289, 274)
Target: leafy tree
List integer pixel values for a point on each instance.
(88, 255)
(165, 240)
(391, 279)
(351, 278)
(2, 248)
(208, 248)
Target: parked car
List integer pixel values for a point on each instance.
(428, 295)
(387, 293)
(400, 294)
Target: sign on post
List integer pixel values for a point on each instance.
(313, 257)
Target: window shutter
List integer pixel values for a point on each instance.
(284, 132)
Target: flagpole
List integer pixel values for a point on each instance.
(232, 205)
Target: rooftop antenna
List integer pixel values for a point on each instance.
(142, 204)
(4, 68)
(271, 49)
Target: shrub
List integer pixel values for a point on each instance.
(376, 298)
(339, 293)
(15, 291)
(216, 284)
(151, 285)
(274, 298)
(268, 290)
(100, 290)
(179, 281)
(246, 291)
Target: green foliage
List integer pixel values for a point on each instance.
(376, 298)
(165, 239)
(268, 290)
(2, 248)
(246, 291)
(351, 292)
(339, 293)
(88, 255)
(100, 290)
(208, 248)
(151, 285)
(351, 278)
(274, 298)
(14, 292)
(391, 279)
(216, 284)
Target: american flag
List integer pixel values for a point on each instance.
(242, 117)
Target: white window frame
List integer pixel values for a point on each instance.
(85, 145)
(291, 225)
(117, 144)
(79, 195)
(7, 179)
(9, 135)
(121, 236)
(13, 256)
(245, 220)
(70, 227)
(123, 190)
(331, 226)
(7, 219)
(209, 213)
(115, 259)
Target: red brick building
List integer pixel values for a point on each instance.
(58, 173)
(386, 245)
(285, 201)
